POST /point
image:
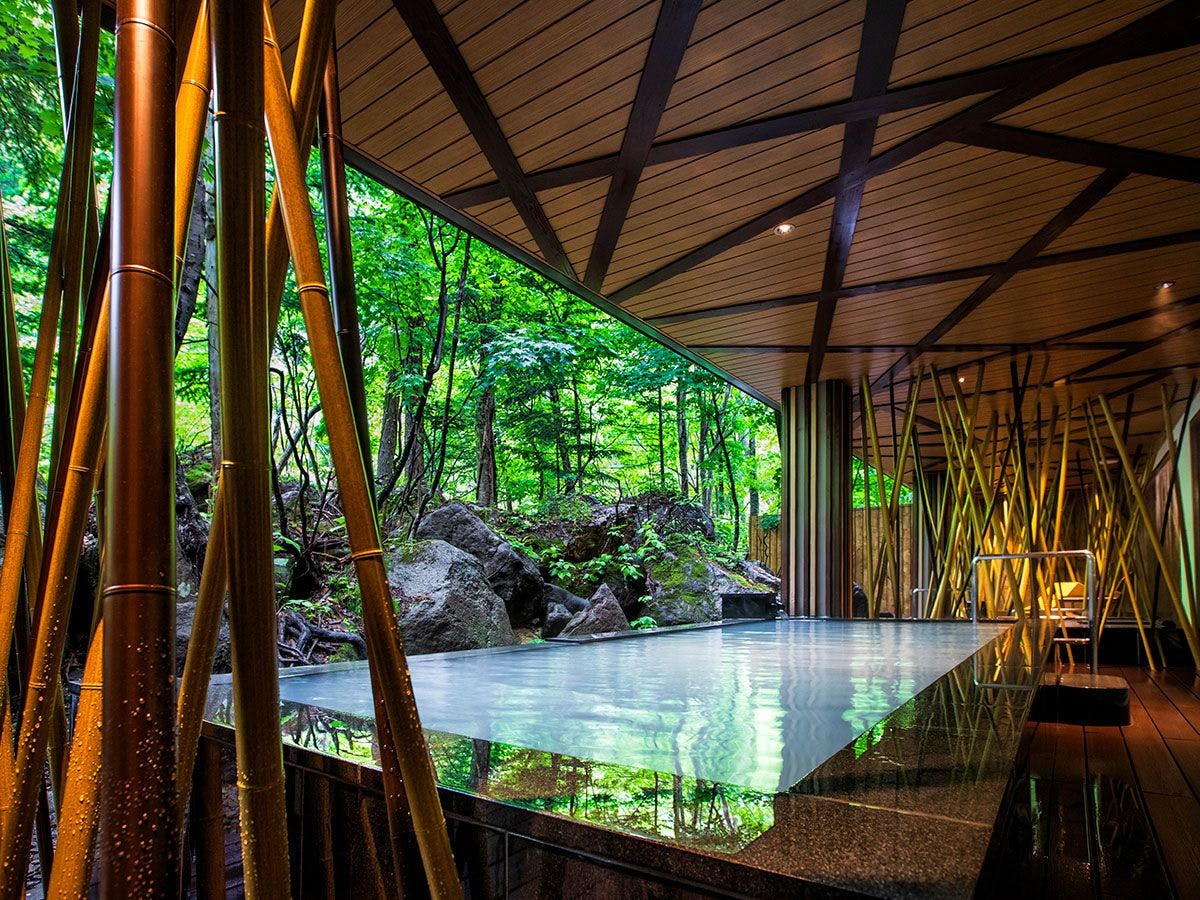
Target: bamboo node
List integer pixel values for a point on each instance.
(135, 269)
(318, 286)
(166, 589)
(373, 553)
(153, 26)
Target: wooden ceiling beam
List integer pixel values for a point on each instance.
(672, 33)
(1082, 152)
(876, 52)
(1077, 333)
(930, 278)
(1174, 17)
(429, 30)
(948, 88)
(999, 348)
(1085, 200)
(1134, 350)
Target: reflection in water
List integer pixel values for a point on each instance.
(758, 705)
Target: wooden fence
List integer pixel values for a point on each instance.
(764, 546)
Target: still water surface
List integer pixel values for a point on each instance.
(759, 705)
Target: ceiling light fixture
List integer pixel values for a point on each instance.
(962, 379)
(784, 229)
(1167, 285)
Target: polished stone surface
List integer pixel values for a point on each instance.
(903, 807)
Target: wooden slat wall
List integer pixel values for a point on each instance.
(764, 547)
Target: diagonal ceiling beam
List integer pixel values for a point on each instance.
(1134, 350)
(433, 37)
(671, 36)
(1083, 254)
(877, 50)
(1178, 15)
(939, 90)
(1087, 153)
(1078, 333)
(1086, 199)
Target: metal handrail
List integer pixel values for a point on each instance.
(1089, 580)
(912, 597)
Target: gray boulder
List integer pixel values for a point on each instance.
(758, 573)
(512, 575)
(445, 600)
(185, 616)
(557, 617)
(603, 615)
(561, 596)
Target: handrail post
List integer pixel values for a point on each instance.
(1089, 586)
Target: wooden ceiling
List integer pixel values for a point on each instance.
(968, 182)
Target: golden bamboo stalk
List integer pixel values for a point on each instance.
(191, 115)
(1185, 624)
(23, 528)
(139, 836)
(341, 256)
(58, 586)
(314, 40)
(379, 616)
(72, 872)
(245, 468)
(208, 824)
(79, 205)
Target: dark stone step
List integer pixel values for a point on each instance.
(1080, 698)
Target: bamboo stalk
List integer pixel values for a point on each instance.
(384, 646)
(22, 530)
(80, 814)
(139, 833)
(314, 39)
(341, 257)
(1185, 624)
(245, 469)
(191, 116)
(62, 567)
(208, 824)
(80, 203)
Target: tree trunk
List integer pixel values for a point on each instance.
(681, 425)
(389, 429)
(195, 260)
(752, 452)
(485, 435)
(211, 318)
(703, 481)
(662, 448)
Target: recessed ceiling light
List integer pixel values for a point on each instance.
(1167, 285)
(784, 229)
(962, 379)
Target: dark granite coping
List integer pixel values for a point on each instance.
(905, 810)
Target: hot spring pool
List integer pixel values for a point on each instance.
(756, 759)
(759, 705)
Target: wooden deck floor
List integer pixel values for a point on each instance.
(1106, 811)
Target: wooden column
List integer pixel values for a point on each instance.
(139, 836)
(815, 445)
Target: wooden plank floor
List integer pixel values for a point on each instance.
(1105, 811)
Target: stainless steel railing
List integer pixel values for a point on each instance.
(1089, 589)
